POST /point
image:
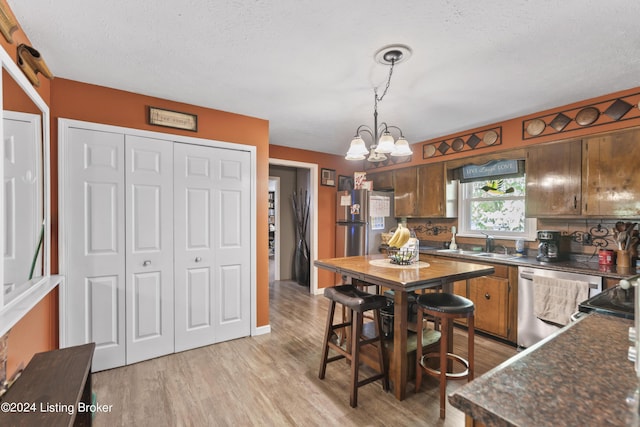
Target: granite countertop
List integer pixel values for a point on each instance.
(577, 377)
(583, 265)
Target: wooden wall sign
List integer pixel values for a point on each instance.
(173, 119)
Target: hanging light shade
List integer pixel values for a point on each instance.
(385, 145)
(357, 150)
(401, 148)
(375, 157)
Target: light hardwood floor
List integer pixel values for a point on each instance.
(269, 380)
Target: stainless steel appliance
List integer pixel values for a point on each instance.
(549, 246)
(361, 218)
(615, 301)
(530, 328)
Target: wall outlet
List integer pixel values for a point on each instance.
(587, 239)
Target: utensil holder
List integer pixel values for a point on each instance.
(623, 258)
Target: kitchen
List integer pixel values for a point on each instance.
(100, 104)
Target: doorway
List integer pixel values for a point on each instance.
(285, 230)
(274, 228)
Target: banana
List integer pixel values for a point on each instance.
(404, 237)
(400, 237)
(393, 242)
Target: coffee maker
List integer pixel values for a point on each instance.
(549, 246)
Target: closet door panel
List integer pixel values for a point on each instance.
(212, 242)
(95, 244)
(232, 242)
(198, 298)
(194, 255)
(149, 219)
(102, 297)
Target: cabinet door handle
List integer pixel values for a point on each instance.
(575, 202)
(146, 263)
(198, 259)
(487, 296)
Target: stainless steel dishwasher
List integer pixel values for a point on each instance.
(530, 328)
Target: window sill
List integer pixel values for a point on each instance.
(19, 307)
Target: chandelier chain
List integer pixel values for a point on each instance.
(386, 88)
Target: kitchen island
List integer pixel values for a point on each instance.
(430, 272)
(579, 376)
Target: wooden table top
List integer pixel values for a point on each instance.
(438, 272)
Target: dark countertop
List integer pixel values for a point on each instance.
(572, 266)
(579, 376)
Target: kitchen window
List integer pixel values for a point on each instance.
(494, 206)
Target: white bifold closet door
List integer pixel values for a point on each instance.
(156, 245)
(212, 241)
(119, 233)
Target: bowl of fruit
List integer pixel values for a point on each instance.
(403, 246)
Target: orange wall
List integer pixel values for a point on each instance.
(512, 131)
(86, 102)
(326, 209)
(38, 330)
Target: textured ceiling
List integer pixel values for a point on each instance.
(308, 68)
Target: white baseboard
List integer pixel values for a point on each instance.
(262, 330)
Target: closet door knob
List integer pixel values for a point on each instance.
(198, 259)
(146, 263)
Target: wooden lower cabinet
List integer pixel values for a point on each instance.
(490, 294)
(495, 300)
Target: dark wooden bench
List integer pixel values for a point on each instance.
(53, 390)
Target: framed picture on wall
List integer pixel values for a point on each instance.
(328, 177)
(345, 183)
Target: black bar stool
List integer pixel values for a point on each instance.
(357, 302)
(444, 307)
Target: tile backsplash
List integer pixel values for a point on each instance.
(437, 232)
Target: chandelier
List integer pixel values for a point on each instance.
(386, 144)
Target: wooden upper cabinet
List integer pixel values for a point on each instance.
(424, 192)
(610, 175)
(436, 197)
(381, 180)
(405, 187)
(554, 180)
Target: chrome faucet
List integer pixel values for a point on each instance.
(488, 243)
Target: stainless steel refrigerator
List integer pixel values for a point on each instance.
(362, 216)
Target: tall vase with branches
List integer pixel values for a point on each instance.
(301, 264)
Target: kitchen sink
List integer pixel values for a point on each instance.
(458, 251)
(495, 256)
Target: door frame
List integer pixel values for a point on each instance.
(313, 214)
(64, 124)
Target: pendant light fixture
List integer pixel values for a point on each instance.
(386, 144)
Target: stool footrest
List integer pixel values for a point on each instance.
(370, 379)
(337, 357)
(369, 341)
(340, 325)
(451, 375)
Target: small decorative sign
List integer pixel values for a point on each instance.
(173, 119)
(493, 168)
